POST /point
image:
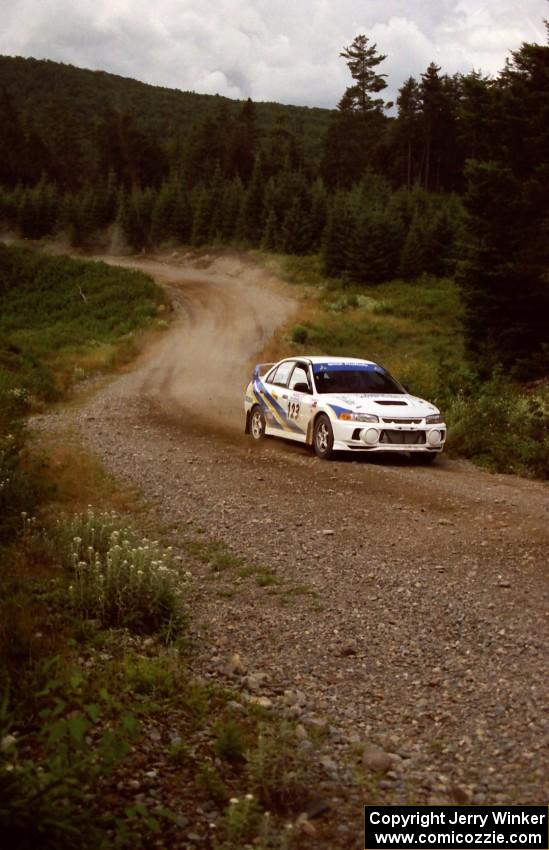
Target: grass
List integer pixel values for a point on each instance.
(215, 554)
(231, 741)
(87, 322)
(413, 328)
(264, 576)
(73, 478)
(153, 677)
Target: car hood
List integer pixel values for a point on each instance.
(401, 406)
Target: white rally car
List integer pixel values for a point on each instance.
(341, 403)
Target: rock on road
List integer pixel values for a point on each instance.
(406, 606)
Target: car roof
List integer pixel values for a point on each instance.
(315, 359)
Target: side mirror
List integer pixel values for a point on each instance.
(302, 387)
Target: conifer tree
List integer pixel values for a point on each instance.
(231, 204)
(336, 236)
(507, 200)
(12, 143)
(354, 133)
(162, 212)
(38, 210)
(345, 152)
(408, 102)
(144, 202)
(431, 107)
(215, 193)
(370, 258)
(362, 62)
(476, 116)
(202, 215)
(280, 150)
(91, 212)
(243, 143)
(413, 257)
(295, 232)
(270, 240)
(181, 215)
(129, 221)
(319, 213)
(251, 219)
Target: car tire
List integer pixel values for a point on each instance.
(323, 437)
(424, 459)
(257, 423)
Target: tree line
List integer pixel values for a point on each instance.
(456, 182)
(77, 128)
(369, 233)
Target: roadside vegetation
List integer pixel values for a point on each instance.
(98, 699)
(60, 730)
(63, 319)
(416, 331)
(96, 682)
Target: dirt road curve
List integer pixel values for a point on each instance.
(227, 312)
(406, 606)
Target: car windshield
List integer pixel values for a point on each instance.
(351, 379)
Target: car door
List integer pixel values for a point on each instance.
(300, 399)
(275, 398)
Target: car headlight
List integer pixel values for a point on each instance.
(435, 419)
(348, 416)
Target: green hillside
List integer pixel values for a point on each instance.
(61, 317)
(71, 109)
(456, 185)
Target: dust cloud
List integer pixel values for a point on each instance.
(226, 312)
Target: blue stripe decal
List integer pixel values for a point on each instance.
(337, 409)
(266, 400)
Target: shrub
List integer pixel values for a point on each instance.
(276, 767)
(299, 334)
(230, 743)
(150, 676)
(119, 580)
(45, 799)
(501, 428)
(18, 485)
(243, 821)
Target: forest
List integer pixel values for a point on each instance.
(452, 180)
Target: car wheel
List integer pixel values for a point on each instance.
(257, 423)
(424, 459)
(323, 437)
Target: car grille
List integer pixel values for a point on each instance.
(396, 420)
(402, 438)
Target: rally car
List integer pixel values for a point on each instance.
(341, 404)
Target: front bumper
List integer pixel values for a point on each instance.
(389, 436)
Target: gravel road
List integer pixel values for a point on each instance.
(403, 606)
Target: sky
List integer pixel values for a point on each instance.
(275, 50)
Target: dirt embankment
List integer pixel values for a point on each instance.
(406, 606)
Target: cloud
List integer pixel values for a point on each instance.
(286, 51)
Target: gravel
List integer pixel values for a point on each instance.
(406, 610)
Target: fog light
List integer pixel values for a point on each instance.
(434, 437)
(371, 436)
